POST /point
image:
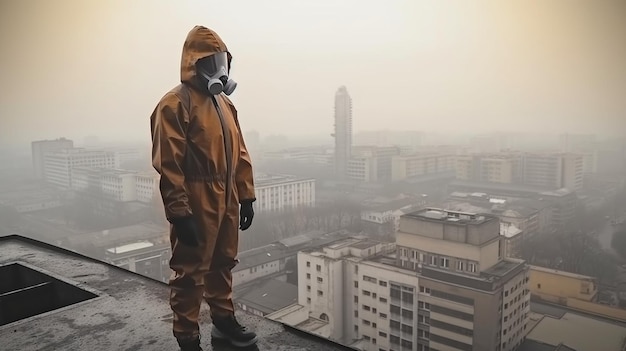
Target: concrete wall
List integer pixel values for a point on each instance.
(562, 284)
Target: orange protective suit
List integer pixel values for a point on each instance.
(205, 171)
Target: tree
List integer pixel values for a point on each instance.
(291, 267)
(619, 243)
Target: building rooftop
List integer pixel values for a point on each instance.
(130, 247)
(364, 244)
(78, 303)
(276, 251)
(106, 172)
(450, 217)
(532, 345)
(486, 186)
(118, 236)
(274, 179)
(391, 204)
(270, 295)
(488, 280)
(574, 331)
(561, 273)
(509, 230)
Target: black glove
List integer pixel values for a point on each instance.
(186, 230)
(246, 213)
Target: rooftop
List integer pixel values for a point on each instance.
(112, 309)
(561, 273)
(486, 186)
(285, 248)
(274, 179)
(391, 204)
(270, 295)
(488, 280)
(574, 330)
(105, 172)
(509, 230)
(440, 215)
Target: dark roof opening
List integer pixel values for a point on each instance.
(26, 292)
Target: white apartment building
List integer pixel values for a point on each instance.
(41, 147)
(362, 169)
(421, 164)
(554, 171)
(448, 287)
(276, 193)
(123, 155)
(317, 155)
(147, 186)
(58, 165)
(117, 184)
(114, 184)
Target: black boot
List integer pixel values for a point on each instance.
(189, 344)
(228, 329)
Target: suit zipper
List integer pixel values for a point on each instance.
(228, 147)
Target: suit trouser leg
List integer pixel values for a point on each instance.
(218, 287)
(190, 265)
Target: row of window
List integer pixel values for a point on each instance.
(439, 261)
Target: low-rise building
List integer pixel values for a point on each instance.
(444, 284)
(554, 285)
(276, 193)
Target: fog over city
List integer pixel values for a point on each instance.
(448, 66)
(409, 175)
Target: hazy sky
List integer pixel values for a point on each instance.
(75, 67)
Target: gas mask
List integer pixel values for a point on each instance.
(214, 69)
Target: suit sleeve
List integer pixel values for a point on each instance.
(168, 125)
(244, 176)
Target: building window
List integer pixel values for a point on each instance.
(308, 276)
(383, 300)
(472, 267)
(308, 300)
(383, 316)
(356, 284)
(366, 293)
(308, 288)
(382, 283)
(433, 260)
(424, 290)
(369, 279)
(320, 293)
(319, 268)
(460, 266)
(308, 264)
(320, 280)
(366, 307)
(445, 262)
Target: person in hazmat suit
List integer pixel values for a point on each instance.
(207, 188)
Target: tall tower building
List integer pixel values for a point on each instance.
(343, 131)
